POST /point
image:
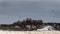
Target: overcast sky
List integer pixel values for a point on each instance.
(14, 10)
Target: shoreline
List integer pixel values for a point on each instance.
(29, 32)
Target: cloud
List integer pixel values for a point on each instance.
(36, 9)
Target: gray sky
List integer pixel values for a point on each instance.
(14, 10)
